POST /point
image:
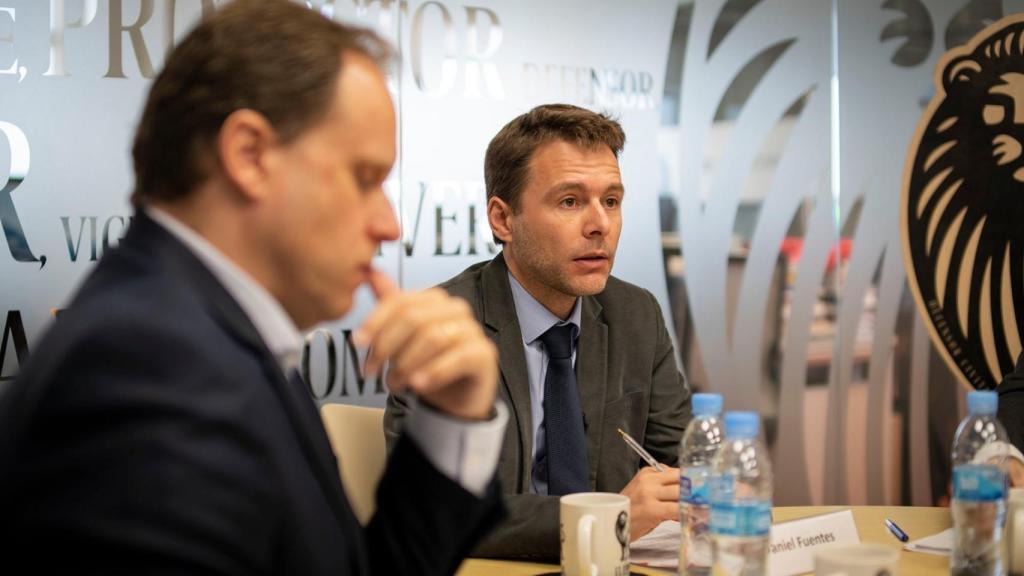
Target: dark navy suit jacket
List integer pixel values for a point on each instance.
(1011, 403)
(153, 433)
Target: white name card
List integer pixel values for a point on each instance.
(794, 543)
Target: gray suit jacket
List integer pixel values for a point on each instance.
(627, 374)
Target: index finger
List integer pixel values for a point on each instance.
(668, 475)
(382, 285)
(385, 289)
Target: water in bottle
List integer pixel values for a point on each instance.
(697, 451)
(740, 491)
(979, 491)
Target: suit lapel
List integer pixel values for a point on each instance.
(166, 250)
(499, 316)
(591, 377)
(305, 418)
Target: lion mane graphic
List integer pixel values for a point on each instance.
(962, 209)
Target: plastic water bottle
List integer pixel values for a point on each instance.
(697, 451)
(979, 491)
(740, 491)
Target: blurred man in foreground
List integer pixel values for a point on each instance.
(583, 353)
(162, 428)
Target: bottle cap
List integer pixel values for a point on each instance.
(741, 425)
(982, 403)
(707, 404)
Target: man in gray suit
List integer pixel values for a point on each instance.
(582, 353)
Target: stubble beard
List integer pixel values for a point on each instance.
(545, 269)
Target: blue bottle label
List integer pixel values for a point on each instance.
(978, 483)
(730, 517)
(741, 518)
(693, 485)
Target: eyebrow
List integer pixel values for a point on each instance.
(573, 185)
(376, 166)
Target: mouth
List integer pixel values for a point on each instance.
(596, 256)
(592, 262)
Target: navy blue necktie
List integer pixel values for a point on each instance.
(563, 417)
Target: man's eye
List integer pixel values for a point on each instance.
(611, 202)
(569, 202)
(367, 180)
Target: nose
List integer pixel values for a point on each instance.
(383, 221)
(596, 222)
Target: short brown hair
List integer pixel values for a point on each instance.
(507, 162)
(271, 56)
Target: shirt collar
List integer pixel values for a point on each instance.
(534, 318)
(273, 324)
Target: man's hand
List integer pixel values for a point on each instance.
(1015, 471)
(435, 347)
(653, 498)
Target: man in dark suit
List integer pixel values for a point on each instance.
(582, 354)
(1011, 403)
(1011, 414)
(161, 427)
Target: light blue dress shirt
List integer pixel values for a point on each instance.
(534, 321)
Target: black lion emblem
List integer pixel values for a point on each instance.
(963, 205)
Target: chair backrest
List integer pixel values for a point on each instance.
(357, 438)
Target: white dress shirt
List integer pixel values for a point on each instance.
(466, 452)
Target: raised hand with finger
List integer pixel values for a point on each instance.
(434, 348)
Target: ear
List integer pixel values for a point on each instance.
(246, 144)
(499, 215)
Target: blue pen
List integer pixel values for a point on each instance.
(896, 530)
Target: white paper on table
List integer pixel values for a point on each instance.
(659, 548)
(940, 544)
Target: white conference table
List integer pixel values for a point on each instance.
(870, 520)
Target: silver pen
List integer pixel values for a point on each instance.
(640, 450)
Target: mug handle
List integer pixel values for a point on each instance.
(584, 543)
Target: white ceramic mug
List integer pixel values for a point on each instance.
(594, 528)
(859, 560)
(1014, 536)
